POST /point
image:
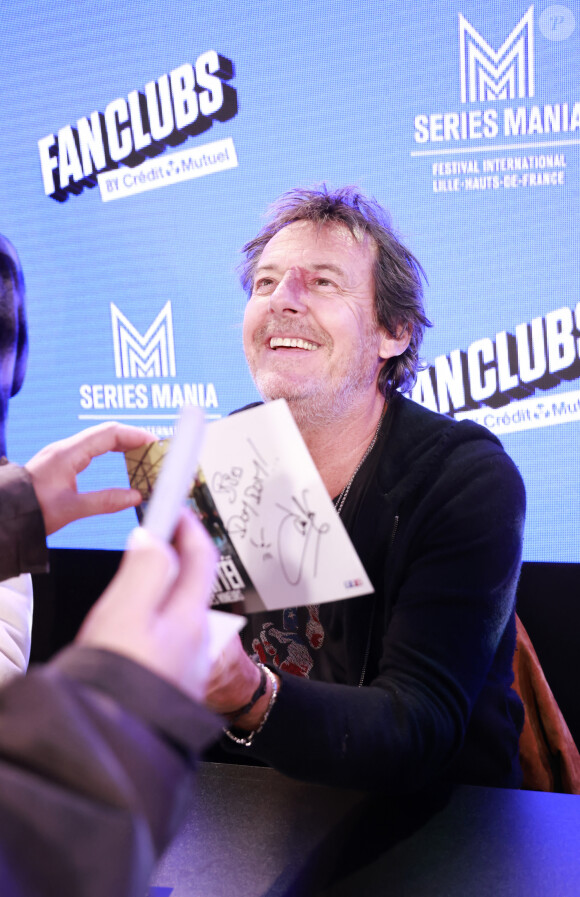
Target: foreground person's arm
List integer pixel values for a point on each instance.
(97, 748)
(42, 497)
(36, 500)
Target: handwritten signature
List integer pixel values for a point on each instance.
(244, 489)
(227, 483)
(297, 531)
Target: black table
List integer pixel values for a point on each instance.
(251, 832)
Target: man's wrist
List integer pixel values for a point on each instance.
(239, 688)
(260, 691)
(253, 718)
(253, 722)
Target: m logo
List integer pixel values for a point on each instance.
(504, 74)
(152, 355)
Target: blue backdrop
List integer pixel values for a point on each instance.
(163, 131)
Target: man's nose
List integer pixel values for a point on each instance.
(290, 296)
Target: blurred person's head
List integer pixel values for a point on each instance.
(13, 331)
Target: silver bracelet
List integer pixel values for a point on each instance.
(247, 741)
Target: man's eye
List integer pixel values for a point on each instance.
(264, 283)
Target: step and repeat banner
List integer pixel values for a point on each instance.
(143, 141)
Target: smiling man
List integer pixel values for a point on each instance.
(411, 685)
(309, 332)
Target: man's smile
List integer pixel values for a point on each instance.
(290, 342)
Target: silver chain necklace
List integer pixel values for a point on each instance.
(344, 494)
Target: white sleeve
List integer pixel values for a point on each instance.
(15, 625)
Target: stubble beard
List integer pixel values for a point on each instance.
(322, 401)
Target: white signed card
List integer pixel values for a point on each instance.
(277, 512)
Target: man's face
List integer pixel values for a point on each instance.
(310, 333)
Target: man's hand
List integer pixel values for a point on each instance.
(54, 471)
(233, 680)
(155, 609)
